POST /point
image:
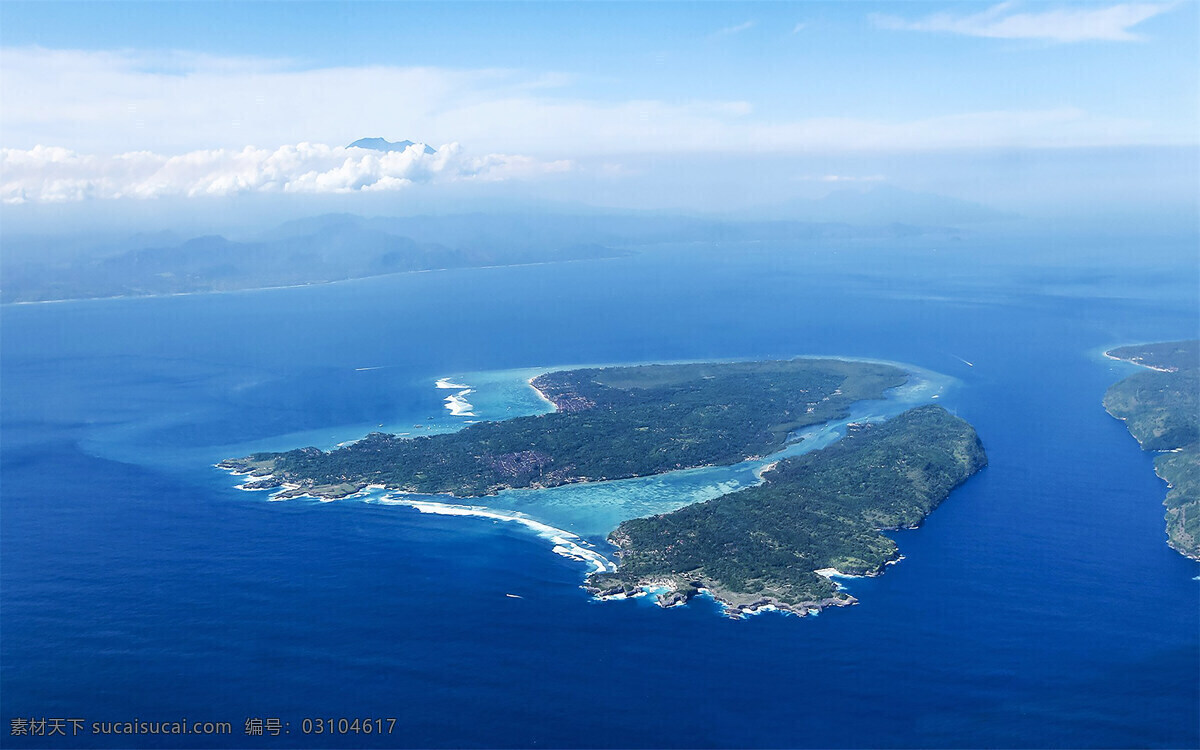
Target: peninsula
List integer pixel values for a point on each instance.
(1161, 408)
(815, 516)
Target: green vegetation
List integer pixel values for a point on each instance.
(817, 511)
(1161, 408)
(820, 511)
(1169, 356)
(610, 423)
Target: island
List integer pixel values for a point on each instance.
(775, 545)
(608, 423)
(1161, 409)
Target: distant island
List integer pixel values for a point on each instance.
(1161, 408)
(339, 247)
(299, 253)
(774, 545)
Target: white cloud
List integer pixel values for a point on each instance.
(1069, 24)
(49, 174)
(799, 27)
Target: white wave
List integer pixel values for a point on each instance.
(832, 573)
(252, 478)
(459, 406)
(565, 543)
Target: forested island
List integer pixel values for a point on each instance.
(773, 545)
(609, 423)
(777, 544)
(1161, 408)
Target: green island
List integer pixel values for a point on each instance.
(608, 423)
(1161, 408)
(771, 546)
(776, 544)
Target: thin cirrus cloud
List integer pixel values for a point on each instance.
(735, 29)
(842, 178)
(115, 101)
(1006, 21)
(55, 175)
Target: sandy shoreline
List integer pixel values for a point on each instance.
(301, 285)
(758, 473)
(539, 392)
(1139, 364)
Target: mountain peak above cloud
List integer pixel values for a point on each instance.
(381, 144)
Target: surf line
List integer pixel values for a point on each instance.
(457, 403)
(565, 542)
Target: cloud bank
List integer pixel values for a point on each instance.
(1003, 21)
(50, 174)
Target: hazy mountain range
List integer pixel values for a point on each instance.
(334, 247)
(334, 250)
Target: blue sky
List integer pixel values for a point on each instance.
(838, 64)
(531, 91)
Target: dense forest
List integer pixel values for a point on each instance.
(1161, 408)
(609, 423)
(819, 510)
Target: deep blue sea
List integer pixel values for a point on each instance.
(1039, 606)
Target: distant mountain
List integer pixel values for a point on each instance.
(522, 232)
(338, 249)
(334, 247)
(887, 204)
(379, 144)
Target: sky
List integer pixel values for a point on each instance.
(704, 106)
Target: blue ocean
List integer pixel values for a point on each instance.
(1039, 606)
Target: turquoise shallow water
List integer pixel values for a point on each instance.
(593, 509)
(1038, 606)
